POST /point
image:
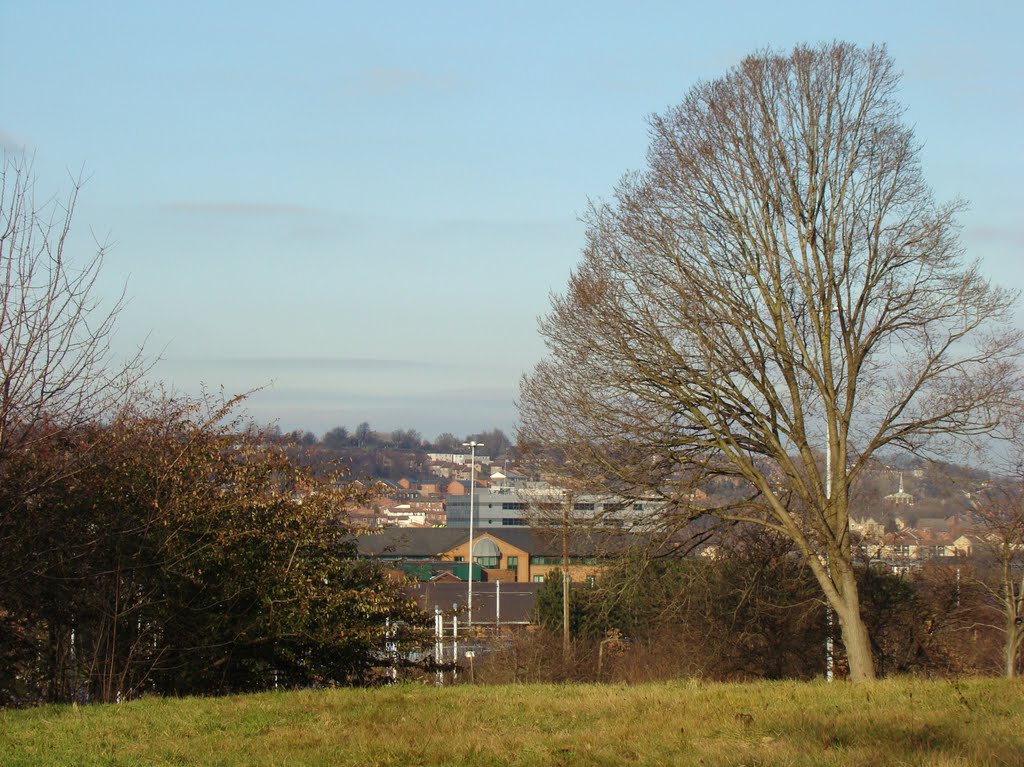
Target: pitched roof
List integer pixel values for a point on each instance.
(432, 542)
(410, 541)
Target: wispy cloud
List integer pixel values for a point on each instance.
(424, 397)
(392, 80)
(12, 143)
(943, 63)
(1008, 234)
(314, 363)
(239, 208)
(320, 392)
(432, 413)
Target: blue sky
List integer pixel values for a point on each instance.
(363, 207)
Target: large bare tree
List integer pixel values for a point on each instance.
(999, 513)
(773, 301)
(57, 368)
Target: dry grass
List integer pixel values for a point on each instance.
(896, 722)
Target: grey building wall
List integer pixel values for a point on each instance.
(492, 509)
(504, 507)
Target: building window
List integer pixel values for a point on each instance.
(512, 563)
(460, 559)
(558, 561)
(488, 562)
(538, 579)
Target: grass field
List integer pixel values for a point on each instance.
(896, 722)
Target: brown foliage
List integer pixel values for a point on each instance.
(184, 554)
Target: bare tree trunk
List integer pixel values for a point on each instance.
(1013, 596)
(857, 644)
(1010, 650)
(59, 645)
(840, 586)
(1000, 531)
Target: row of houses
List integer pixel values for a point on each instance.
(497, 501)
(899, 541)
(409, 503)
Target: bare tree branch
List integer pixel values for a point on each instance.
(778, 284)
(57, 367)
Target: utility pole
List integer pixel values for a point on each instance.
(829, 651)
(565, 574)
(473, 445)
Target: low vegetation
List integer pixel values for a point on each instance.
(169, 551)
(900, 721)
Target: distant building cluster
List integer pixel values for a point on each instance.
(502, 498)
(419, 528)
(428, 502)
(897, 529)
(893, 535)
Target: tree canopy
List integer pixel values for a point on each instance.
(778, 286)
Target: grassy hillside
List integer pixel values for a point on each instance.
(975, 722)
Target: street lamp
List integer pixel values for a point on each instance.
(829, 652)
(472, 495)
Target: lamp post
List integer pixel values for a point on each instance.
(829, 650)
(566, 508)
(473, 445)
(829, 653)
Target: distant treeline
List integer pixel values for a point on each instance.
(495, 442)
